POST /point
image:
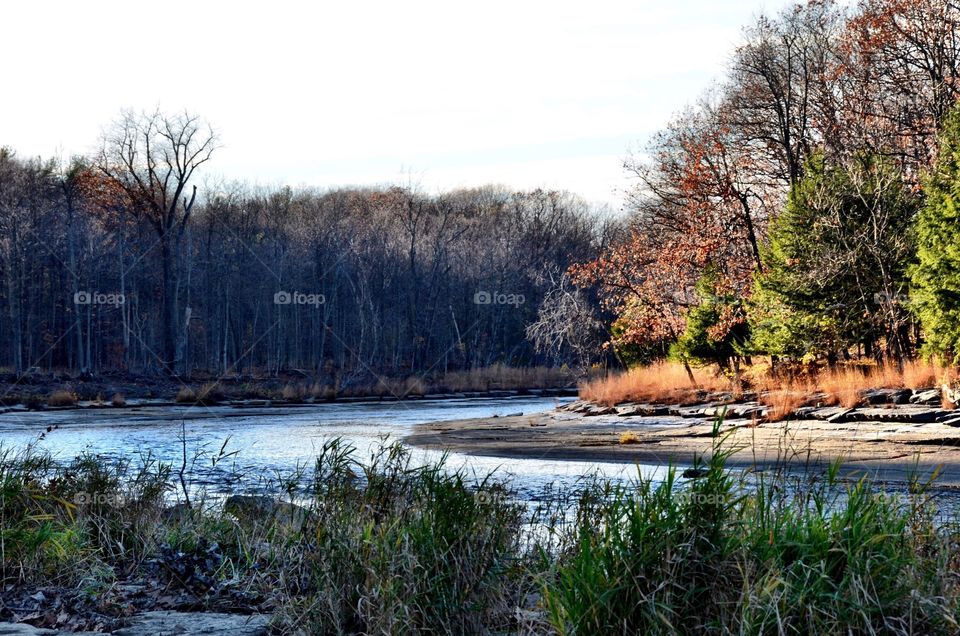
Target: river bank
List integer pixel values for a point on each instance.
(50, 391)
(890, 443)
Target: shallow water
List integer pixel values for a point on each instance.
(276, 441)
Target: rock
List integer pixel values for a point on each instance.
(578, 406)
(840, 416)
(951, 421)
(930, 396)
(746, 411)
(687, 411)
(694, 473)
(903, 414)
(887, 396)
(712, 411)
(260, 509)
(913, 414)
(189, 623)
(597, 409)
(641, 410)
(23, 629)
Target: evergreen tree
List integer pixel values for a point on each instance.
(936, 276)
(835, 265)
(716, 330)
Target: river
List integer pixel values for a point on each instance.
(276, 441)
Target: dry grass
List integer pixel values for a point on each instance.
(388, 387)
(662, 382)
(207, 394)
(668, 383)
(322, 391)
(293, 392)
(500, 377)
(62, 398)
(844, 386)
(118, 400)
(783, 403)
(186, 395)
(924, 375)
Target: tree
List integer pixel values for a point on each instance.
(778, 94)
(836, 262)
(901, 60)
(936, 275)
(567, 326)
(717, 329)
(152, 157)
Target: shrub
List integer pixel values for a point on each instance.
(292, 393)
(208, 394)
(62, 398)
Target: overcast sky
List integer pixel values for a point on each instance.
(441, 93)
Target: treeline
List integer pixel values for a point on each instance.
(121, 261)
(804, 207)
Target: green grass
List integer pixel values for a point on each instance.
(385, 546)
(781, 555)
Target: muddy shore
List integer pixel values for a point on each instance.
(889, 443)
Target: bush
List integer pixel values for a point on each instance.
(62, 398)
(208, 395)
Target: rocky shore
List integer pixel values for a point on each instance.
(895, 434)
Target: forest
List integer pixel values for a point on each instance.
(125, 262)
(803, 208)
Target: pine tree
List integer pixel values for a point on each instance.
(936, 276)
(716, 330)
(835, 265)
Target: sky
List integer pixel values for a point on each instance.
(436, 93)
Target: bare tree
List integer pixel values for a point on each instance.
(153, 157)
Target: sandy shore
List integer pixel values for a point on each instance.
(888, 451)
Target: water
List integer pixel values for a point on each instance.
(271, 442)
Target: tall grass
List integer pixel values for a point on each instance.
(669, 383)
(503, 377)
(379, 544)
(721, 555)
(665, 382)
(403, 549)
